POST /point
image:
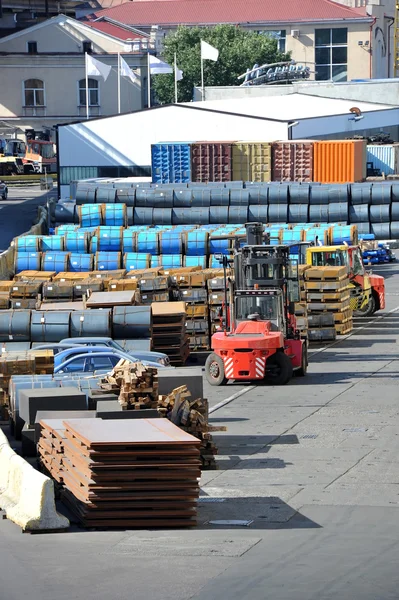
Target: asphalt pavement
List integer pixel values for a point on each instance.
(312, 467)
(18, 212)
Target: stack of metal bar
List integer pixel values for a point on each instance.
(130, 473)
(169, 331)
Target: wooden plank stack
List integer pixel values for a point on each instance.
(130, 473)
(328, 291)
(50, 448)
(169, 331)
(191, 415)
(137, 385)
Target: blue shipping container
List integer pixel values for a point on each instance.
(385, 158)
(171, 163)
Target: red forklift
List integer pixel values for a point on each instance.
(258, 340)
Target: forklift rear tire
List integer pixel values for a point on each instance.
(301, 372)
(282, 369)
(214, 370)
(368, 310)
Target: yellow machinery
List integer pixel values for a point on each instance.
(367, 290)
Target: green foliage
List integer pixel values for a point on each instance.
(238, 51)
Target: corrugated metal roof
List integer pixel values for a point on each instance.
(288, 107)
(171, 12)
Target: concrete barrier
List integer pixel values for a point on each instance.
(26, 495)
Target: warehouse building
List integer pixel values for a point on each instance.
(120, 146)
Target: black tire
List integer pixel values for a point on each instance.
(12, 426)
(214, 370)
(304, 363)
(368, 310)
(282, 370)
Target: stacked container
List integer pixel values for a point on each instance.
(252, 161)
(292, 161)
(384, 157)
(211, 161)
(339, 161)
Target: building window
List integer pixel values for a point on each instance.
(279, 35)
(32, 47)
(34, 92)
(87, 47)
(93, 92)
(331, 54)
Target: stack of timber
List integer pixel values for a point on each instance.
(169, 331)
(301, 309)
(328, 302)
(191, 415)
(192, 287)
(136, 385)
(130, 473)
(50, 448)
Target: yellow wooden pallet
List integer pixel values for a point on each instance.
(328, 306)
(343, 328)
(326, 286)
(326, 273)
(343, 317)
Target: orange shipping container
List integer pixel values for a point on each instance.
(339, 161)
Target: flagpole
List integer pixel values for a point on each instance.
(119, 83)
(202, 79)
(148, 80)
(87, 88)
(175, 80)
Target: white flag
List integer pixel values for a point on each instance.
(158, 67)
(208, 52)
(178, 74)
(126, 71)
(97, 68)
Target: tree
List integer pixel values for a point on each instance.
(238, 51)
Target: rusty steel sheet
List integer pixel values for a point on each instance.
(97, 433)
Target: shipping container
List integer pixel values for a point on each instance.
(384, 157)
(251, 161)
(211, 161)
(339, 161)
(171, 162)
(292, 161)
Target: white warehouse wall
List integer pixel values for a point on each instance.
(338, 124)
(127, 139)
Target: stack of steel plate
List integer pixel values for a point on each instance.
(130, 473)
(51, 447)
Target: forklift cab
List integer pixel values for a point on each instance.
(260, 305)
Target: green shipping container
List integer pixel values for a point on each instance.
(252, 161)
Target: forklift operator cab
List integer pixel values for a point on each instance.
(261, 308)
(330, 258)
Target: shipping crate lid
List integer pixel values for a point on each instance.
(168, 308)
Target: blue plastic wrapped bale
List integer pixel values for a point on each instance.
(278, 194)
(143, 216)
(182, 198)
(55, 261)
(76, 241)
(219, 214)
(90, 215)
(382, 231)
(134, 260)
(338, 212)
(93, 244)
(52, 243)
(381, 193)
(27, 261)
(131, 322)
(15, 325)
(167, 261)
(28, 243)
(109, 239)
(258, 213)
(380, 213)
(344, 234)
(86, 323)
(290, 236)
(171, 242)
(220, 246)
(278, 213)
(66, 228)
(80, 263)
(105, 194)
(107, 261)
(49, 326)
(171, 163)
(299, 193)
(238, 214)
(147, 242)
(115, 215)
(196, 243)
(214, 262)
(162, 216)
(360, 193)
(298, 213)
(194, 216)
(195, 261)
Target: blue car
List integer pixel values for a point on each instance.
(90, 359)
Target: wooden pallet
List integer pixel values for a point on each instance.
(343, 328)
(326, 274)
(328, 306)
(325, 286)
(328, 296)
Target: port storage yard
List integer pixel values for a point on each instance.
(306, 490)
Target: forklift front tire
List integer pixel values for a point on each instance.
(214, 370)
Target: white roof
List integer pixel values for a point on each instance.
(289, 107)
